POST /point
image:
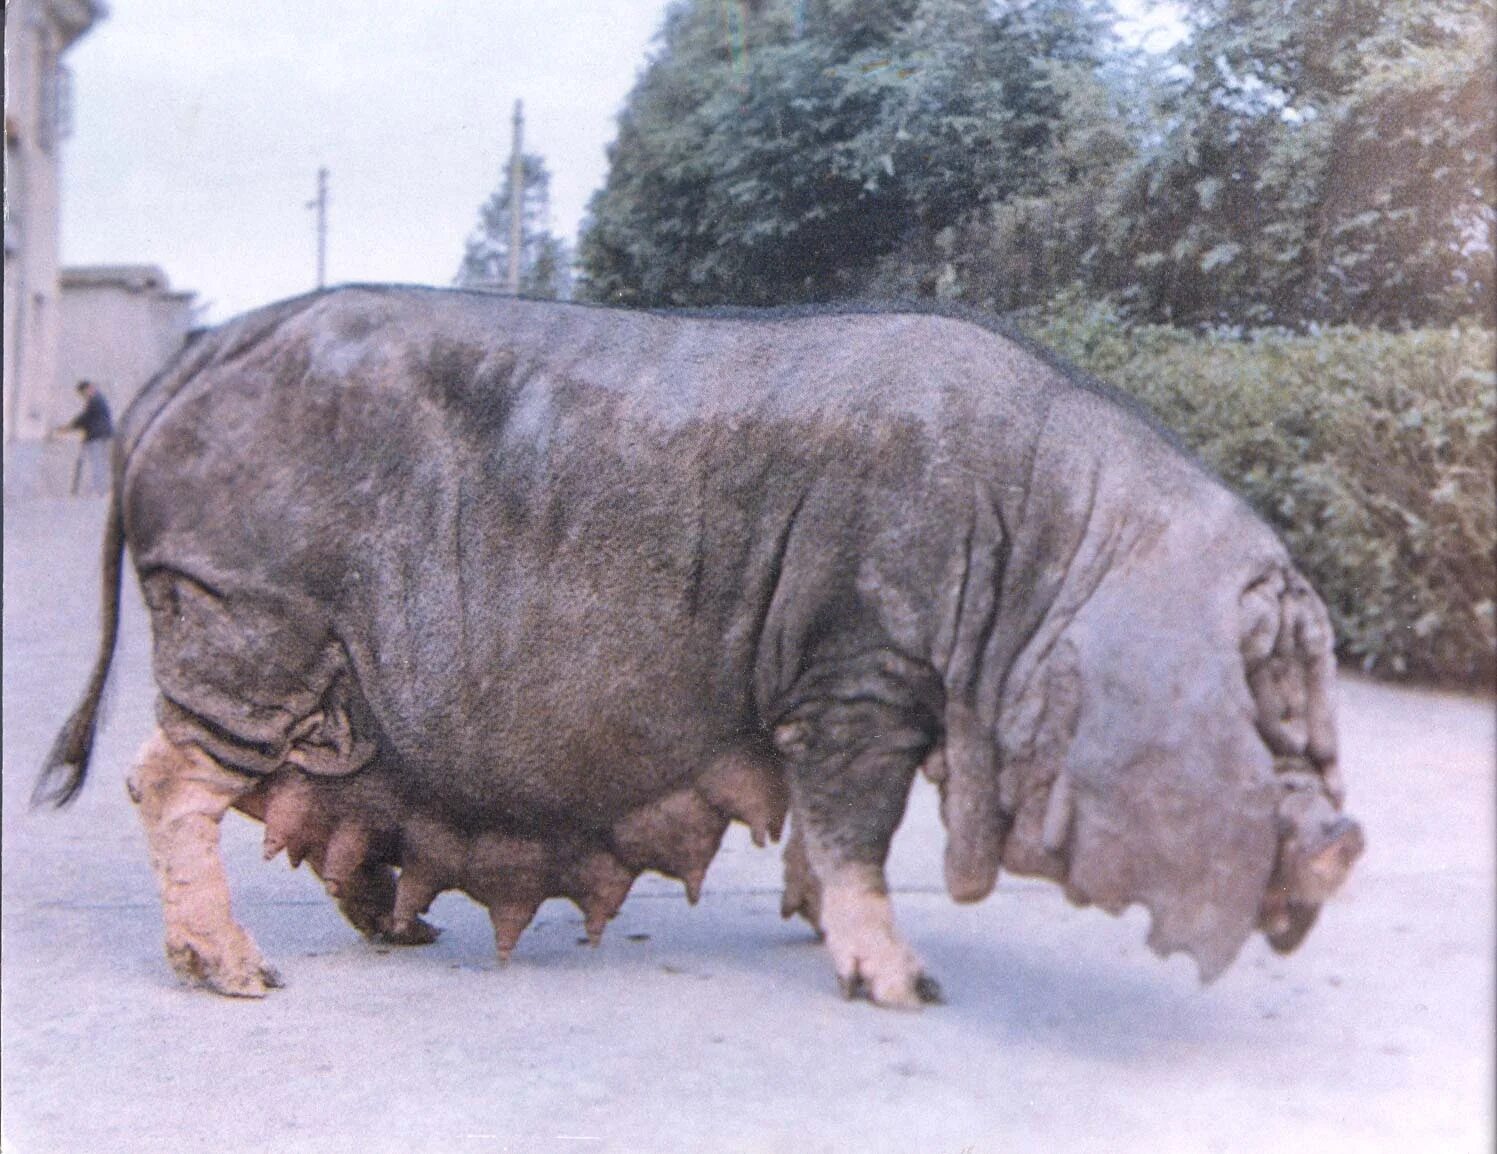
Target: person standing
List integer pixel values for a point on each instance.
(97, 426)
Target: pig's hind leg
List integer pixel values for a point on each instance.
(851, 765)
(181, 795)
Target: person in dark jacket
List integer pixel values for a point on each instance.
(97, 426)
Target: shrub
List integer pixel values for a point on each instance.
(1373, 454)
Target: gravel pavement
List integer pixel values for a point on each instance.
(719, 1027)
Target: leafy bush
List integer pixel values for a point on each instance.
(1373, 453)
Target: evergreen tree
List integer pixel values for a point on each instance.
(545, 260)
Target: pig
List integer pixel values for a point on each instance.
(456, 591)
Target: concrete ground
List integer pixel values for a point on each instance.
(719, 1028)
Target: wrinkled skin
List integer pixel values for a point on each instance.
(523, 599)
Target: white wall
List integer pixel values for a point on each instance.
(116, 337)
(37, 33)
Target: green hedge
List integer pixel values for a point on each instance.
(1373, 453)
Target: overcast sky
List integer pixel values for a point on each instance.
(199, 129)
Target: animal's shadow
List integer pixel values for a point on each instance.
(999, 993)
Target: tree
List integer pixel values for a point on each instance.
(545, 260)
(781, 151)
(1406, 231)
(1313, 161)
(1327, 160)
(1035, 227)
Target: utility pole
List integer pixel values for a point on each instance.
(320, 204)
(516, 199)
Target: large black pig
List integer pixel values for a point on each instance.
(454, 591)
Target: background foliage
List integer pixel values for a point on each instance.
(1321, 161)
(1280, 236)
(776, 152)
(1373, 453)
(1317, 161)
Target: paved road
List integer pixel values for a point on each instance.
(719, 1028)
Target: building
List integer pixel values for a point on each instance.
(38, 113)
(118, 324)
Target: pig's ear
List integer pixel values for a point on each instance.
(1288, 658)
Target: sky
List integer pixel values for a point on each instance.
(199, 129)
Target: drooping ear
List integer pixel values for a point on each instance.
(1290, 666)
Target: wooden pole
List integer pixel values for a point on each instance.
(516, 200)
(320, 204)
